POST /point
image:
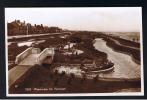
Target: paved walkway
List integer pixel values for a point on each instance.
(16, 72)
(27, 62)
(117, 42)
(31, 35)
(30, 60)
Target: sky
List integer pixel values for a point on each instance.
(106, 19)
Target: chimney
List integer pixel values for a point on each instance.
(24, 22)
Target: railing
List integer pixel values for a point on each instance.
(46, 52)
(23, 55)
(52, 52)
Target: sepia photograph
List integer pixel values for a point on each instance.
(74, 51)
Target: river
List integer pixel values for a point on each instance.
(124, 67)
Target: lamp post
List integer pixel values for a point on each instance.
(27, 30)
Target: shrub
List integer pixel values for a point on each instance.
(95, 79)
(62, 74)
(56, 82)
(75, 39)
(69, 81)
(56, 72)
(51, 75)
(82, 65)
(72, 76)
(83, 78)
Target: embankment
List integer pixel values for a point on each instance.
(135, 54)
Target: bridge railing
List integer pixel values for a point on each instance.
(23, 55)
(46, 52)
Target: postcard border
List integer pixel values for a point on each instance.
(76, 94)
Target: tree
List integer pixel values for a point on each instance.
(75, 39)
(95, 79)
(83, 78)
(72, 76)
(56, 82)
(56, 72)
(133, 39)
(62, 74)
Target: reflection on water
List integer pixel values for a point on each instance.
(24, 43)
(69, 46)
(76, 51)
(70, 69)
(124, 67)
(27, 43)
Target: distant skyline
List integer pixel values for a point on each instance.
(106, 19)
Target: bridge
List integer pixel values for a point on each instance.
(27, 59)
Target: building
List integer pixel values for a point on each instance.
(22, 28)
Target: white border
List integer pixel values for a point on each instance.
(78, 94)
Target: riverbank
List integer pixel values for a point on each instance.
(127, 42)
(133, 52)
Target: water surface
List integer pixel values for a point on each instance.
(124, 67)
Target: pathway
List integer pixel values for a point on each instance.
(16, 72)
(117, 42)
